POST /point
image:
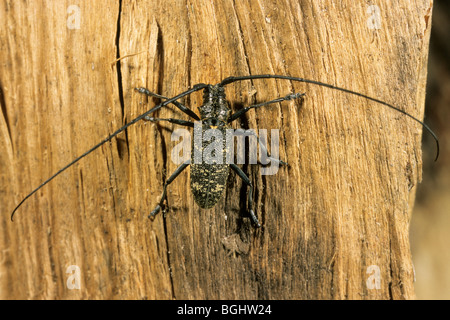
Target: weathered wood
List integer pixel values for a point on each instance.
(342, 206)
(430, 219)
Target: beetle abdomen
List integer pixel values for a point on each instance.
(209, 172)
(208, 181)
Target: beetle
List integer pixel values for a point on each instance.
(208, 179)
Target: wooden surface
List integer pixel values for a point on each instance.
(342, 206)
(431, 216)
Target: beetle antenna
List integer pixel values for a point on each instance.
(195, 88)
(271, 76)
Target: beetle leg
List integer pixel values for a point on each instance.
(250, 193)
(263, 148)
(183, 108)
(172, 120)
(169, 181)
(241, 112)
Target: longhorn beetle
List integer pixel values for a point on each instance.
(208, 180)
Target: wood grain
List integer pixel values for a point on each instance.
(343, 205)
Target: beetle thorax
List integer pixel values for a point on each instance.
(215, 110)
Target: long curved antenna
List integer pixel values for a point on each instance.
(271, 76)
(224, 82)
(197, 87)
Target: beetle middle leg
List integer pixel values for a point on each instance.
(169, 181)
(247, 133)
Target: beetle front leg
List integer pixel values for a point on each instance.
(172, 120)
(241, 112)
(180, 106)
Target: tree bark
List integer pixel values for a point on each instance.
(334, 223)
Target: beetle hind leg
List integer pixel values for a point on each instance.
(169, 181)
(247, 181)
